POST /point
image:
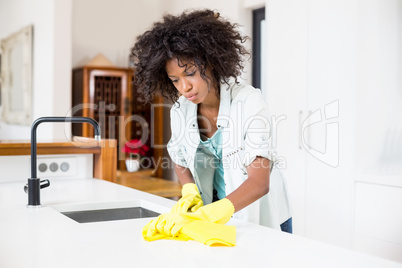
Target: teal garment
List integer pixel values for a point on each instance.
(209, 161)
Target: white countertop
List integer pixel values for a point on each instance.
(43, 237)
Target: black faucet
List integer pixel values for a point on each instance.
(34, 184)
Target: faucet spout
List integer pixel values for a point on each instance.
(34, 182)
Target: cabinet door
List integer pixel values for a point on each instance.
(329, 132)
(349, 53)
(378, 205)
(287, 96)
(378, 220)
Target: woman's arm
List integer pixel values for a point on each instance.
(183, 174)
(254, 187)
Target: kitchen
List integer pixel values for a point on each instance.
(336, 73)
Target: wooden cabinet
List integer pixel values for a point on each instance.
(103, 94)
(107, 95)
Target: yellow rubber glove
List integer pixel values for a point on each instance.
(218, 212)
(190, 199)
(170, 224)
(210, 234)
(150, 234)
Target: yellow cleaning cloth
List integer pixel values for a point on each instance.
(211, 234)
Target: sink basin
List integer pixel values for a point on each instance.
(110, 211)
(110, 214)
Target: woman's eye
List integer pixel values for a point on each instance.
(191, 74)
(174, 80)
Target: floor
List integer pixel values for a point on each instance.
(144, 181)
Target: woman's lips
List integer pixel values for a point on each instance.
(191, 97)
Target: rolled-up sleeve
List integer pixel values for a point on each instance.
(257, 130)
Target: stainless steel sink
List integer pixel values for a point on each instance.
(113, 214)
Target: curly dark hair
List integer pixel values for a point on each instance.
(201, 37)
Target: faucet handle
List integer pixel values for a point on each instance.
(43, 184)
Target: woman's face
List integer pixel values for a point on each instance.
(189, 83)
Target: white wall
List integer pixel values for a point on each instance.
(68, 33)
(110, 27)
(62, 65)
(51, 59)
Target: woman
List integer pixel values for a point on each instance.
(220, 140)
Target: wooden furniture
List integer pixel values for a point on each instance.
(106, 95)
(147, 125)
(156, 134)
(104, 152)
(144, 180)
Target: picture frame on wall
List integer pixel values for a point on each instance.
(16, 77)
(0, 84)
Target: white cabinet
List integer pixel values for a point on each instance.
(328, 132)
(378, 130)
(378, 219)
(286, 82)
(332, 72)
(312, 97)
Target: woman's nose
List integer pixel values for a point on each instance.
(185, 85)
